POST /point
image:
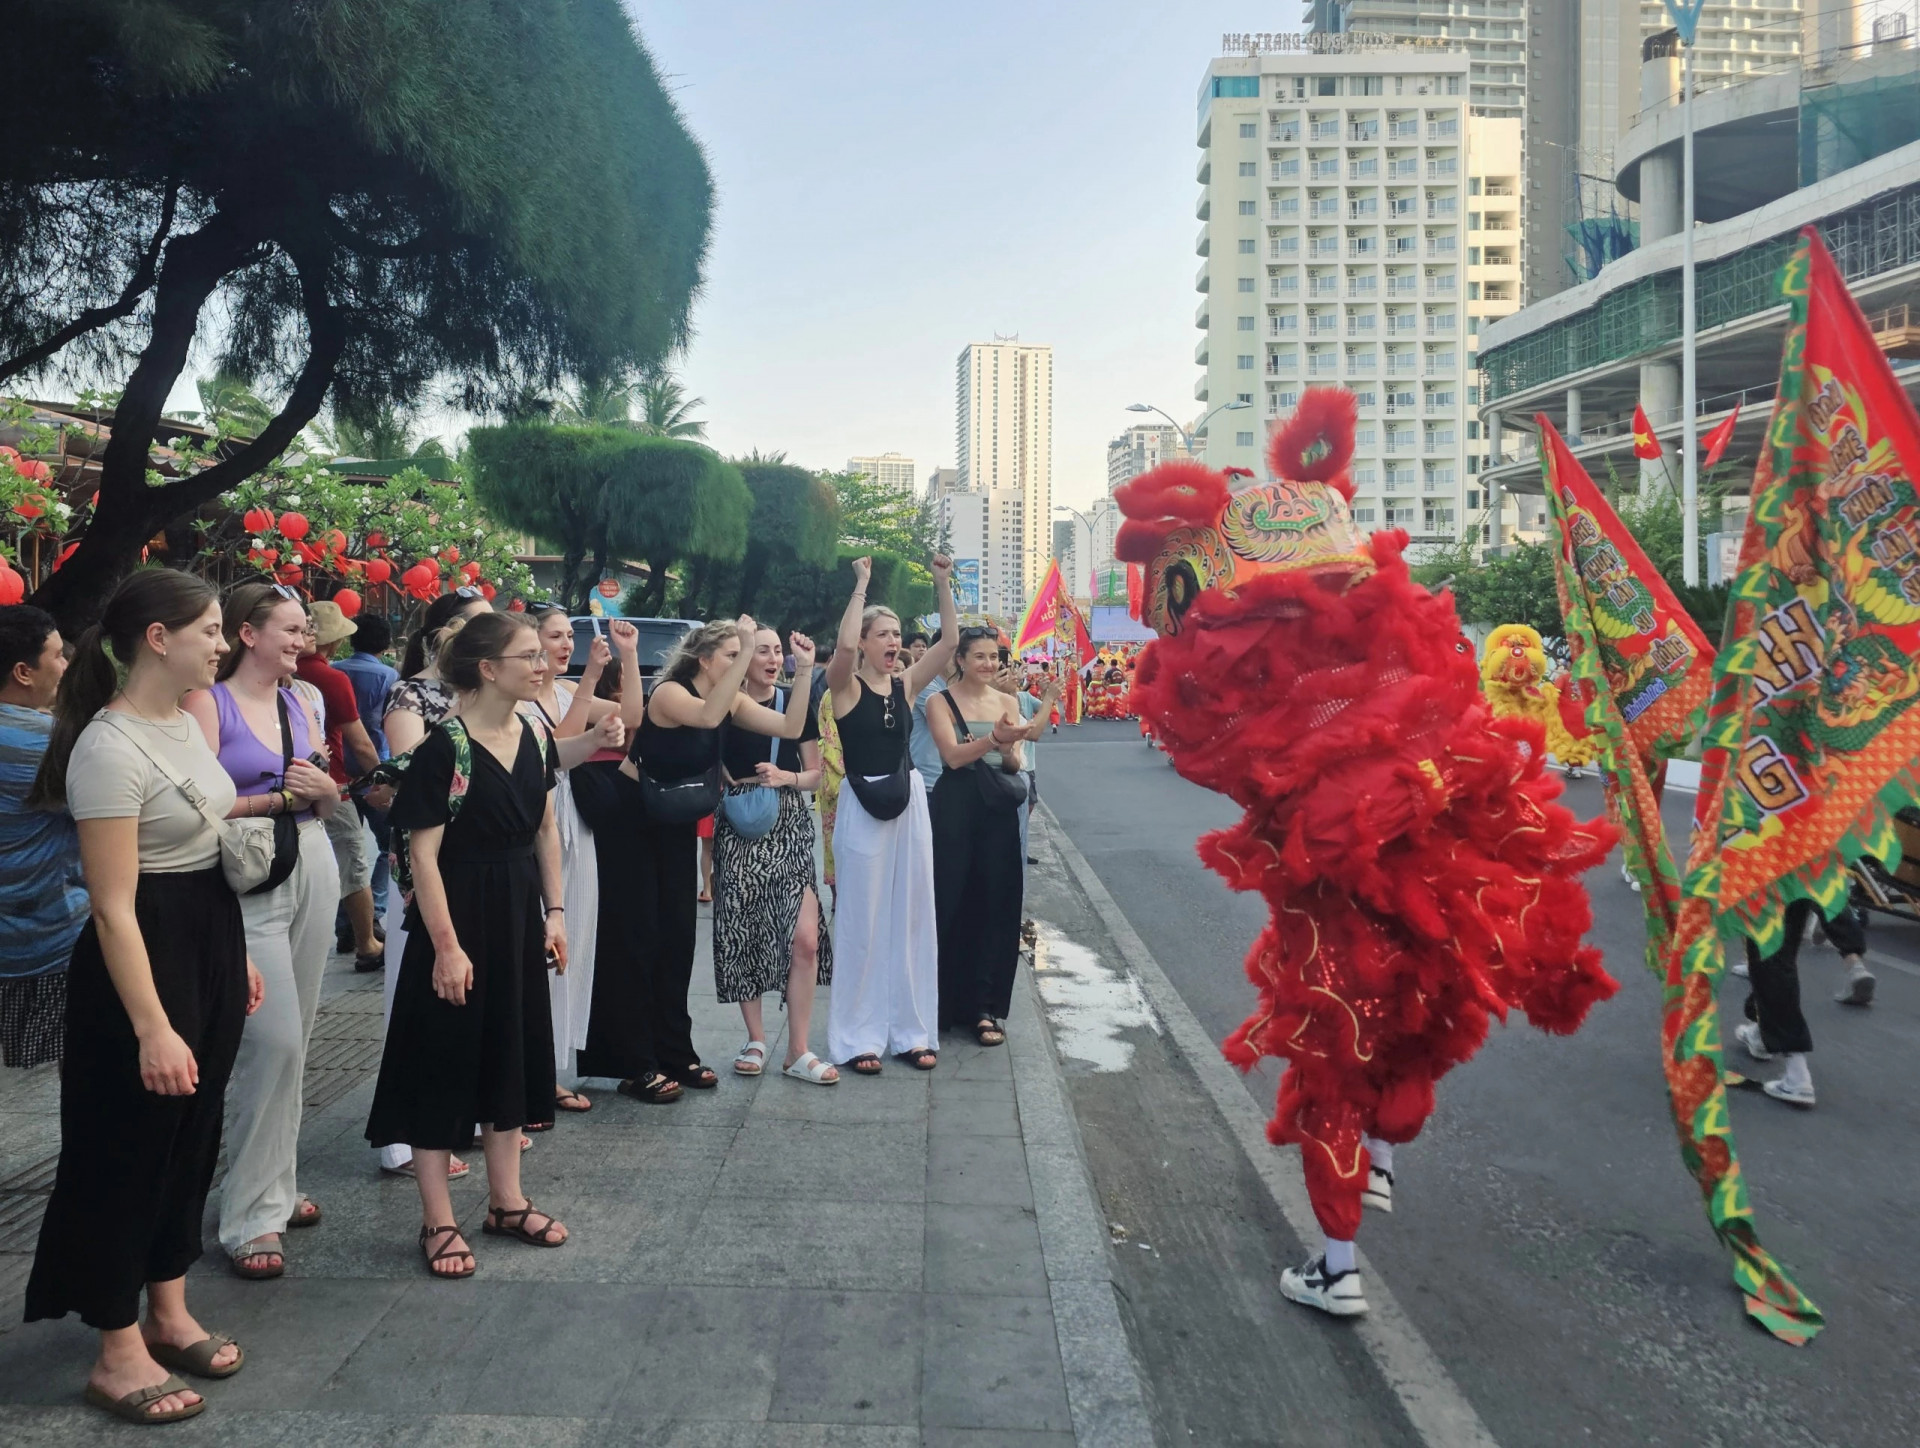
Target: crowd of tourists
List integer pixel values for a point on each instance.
(200, 804)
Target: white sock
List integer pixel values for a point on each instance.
(1379, 1153)
(1339, 1257)
(1797, 1074)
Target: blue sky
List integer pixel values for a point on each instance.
(897, 180)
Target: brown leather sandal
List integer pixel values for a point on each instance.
(503, 1223)
(133, 1407)
(250, 1252)
(446, 1253)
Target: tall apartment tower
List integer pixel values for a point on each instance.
(890, 470)
(1572, 69)
(1359, 227)
(1003, 396)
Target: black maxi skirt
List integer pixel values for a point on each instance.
(978, 890)
(134, 1169)
(490, 1060)
(643, 967)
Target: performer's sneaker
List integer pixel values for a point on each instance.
(1747, 1033)
(1858, 991)
(1793, 1093)
(1313, 1286)
(1378, 1192)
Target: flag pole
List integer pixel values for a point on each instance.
(1689, 439)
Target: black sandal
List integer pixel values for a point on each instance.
(866, 1064)
(653, 1088)
(503, 1223)
(924, 1059)
(697, 1077)
(446, 1253)
(986, 1026)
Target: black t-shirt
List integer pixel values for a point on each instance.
(742, 750)
(501, 808)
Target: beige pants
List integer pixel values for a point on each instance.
(289, 936)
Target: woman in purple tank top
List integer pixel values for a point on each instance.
(289, 928)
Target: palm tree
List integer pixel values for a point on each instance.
(388, 433)
(229, 404)
(593, 402)
(665, 408)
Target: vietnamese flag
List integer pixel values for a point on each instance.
(1718, 439)
(1645, 444)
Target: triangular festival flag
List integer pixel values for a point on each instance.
(1039, 621)
(1645, 444)
(1814, 724)
(1638, 662)
(1718, 439)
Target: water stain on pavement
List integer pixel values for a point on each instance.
(1090, 1004)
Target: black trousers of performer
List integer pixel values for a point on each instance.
(977, 895)
(643, 963)
(1774, 981)
(131, 1187)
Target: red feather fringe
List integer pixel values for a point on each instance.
(1326, 417)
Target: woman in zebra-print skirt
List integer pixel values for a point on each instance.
(768, 930)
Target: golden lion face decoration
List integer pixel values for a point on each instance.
(1514, 658)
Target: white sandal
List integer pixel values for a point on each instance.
(811, 1068)
(750, 1059)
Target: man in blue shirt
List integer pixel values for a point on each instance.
(371, 675)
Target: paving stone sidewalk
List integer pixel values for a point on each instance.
(910, 1260)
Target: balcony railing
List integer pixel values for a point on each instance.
(1284, 170)
(1443, 365)
(1324, 246)
(1326, 208)
(1323, 366)
(1403, 170)
(1404, 131)
(1360, 326)
(1443, 170)
(1441, 326)
(1364, 131)
(1442, 130)
(1366, 287)
(1325, 171)
(1324, 131)
(1442, 246)
(1401, 367)
(1360, 364)
(1324, 287)
(1286, 132)
(1403, 286)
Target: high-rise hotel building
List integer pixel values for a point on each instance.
(1358, 226)
(1003, 404)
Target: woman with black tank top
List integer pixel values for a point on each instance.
(885, 981)
(639, 1030)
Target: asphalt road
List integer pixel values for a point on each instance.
(1546, 1240)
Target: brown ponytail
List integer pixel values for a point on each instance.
(152, 595)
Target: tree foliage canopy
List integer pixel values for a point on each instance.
(602, 495)
(372, 194)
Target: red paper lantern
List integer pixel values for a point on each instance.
(452, 555)
(517, 606)
(290, 574)
(293, 525)
(29, 506)
(378, 570)
(309, 553)
(256, 521)
(471, 570)
(487, 591)
(272, 555)
(349, 602)
(13, 587)
(376, 540)
(336, 541)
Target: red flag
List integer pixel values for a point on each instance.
(1645, 444)
(1043, 611)
(1718, 439)
(1136, 589)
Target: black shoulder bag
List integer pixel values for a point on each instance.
(286, 832)
(684, 801)
(886, 798)
(999, 790)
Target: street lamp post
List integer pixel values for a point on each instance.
(1185, 436)
(1087, 523)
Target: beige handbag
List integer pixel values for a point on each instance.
(246, 846)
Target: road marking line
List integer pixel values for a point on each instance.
(1433, 1402)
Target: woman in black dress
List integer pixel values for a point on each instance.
(471, 1037)
(639, 1031)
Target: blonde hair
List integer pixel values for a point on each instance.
(683, 664)
(872, 612)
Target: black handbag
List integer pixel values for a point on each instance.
(999, 790)
(286, 833)
(684, 801)
(885, 798)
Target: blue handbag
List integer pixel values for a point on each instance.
(751, 813)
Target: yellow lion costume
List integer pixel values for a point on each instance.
(1514, 676)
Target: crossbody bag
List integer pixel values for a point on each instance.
(246, 846)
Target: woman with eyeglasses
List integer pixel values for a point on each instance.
(886, 988)
(471, 1037)
(640, 1032)
(768, 934)
(414, 705)
(569, 713)
(270, 744)
(977, 874)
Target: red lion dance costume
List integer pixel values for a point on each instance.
(1419, 874)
